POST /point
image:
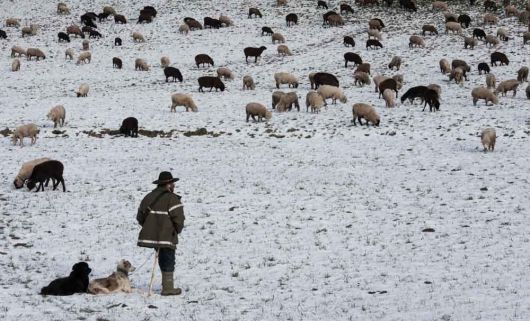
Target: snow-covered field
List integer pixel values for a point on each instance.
(306, 217)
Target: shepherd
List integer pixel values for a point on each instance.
(161, 216)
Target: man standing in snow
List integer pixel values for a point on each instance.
(161, 216)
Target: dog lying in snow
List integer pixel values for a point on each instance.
(116, 282)
(76, 282)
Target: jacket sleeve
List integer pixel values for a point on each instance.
(176, 213)
(140, 216)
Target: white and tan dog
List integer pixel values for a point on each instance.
(116, 282)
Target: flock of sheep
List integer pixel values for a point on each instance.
(324, 86)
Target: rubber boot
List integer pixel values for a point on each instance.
(167, 284)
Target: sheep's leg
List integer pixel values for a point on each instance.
(62, 183)
(359, 119)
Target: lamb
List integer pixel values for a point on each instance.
(490, 81)
(522, 74)
(69, 53)
(277, 37)
(488, 138)
(500, 57)
(286, 102)
(248, 83)
(483, 67)
(327, 91)
(141, 64)
(28, 130)
(267, 31)
(457, 74)
(17, 50)
(225, 73)
(283, 50)
(75, 30)
(439, 5)
(210, 82)
(254, 12)
(57, 114)
(470, 42)
(12, 22)
(276, 96)
(348, 41)
(507, 85)
(83, 90)
(389, 97)
(203, 59)
(35, 52)
(184, 29)
(285, 78)
(164, 62)
(454, 27)
(25, 171)
(15, 65)
(84, 57)
(361, 78)
(483, 93)
(138, 37)
(45, 171)
(225, 20)
(490, 18)
(172, 72)
(183, 100)
(416, 41)
(353, 57)
(361, 110)
(430, 29)
(314, 100)
(117, 63)
(257, 109)
(502, 33)
(395, 62)
(253, 52)
(86, 45)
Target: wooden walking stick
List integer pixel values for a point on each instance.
(153, 273)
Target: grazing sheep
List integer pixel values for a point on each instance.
(470, 42)
(276, 96)
(522, 74)
(507, 85)
(183, 100)
(57, 114)
(389, 97)
(164, 62)
(431, 98)
(94, 34)
(225, 73)
(463, 65)
(144, 17)
(464, 20)
(203, 59)
(361, 110)
(225, 20)
(479, 33)
(35, 52)
(353, 57)
(374, 33)
(286, 102)
(285, 78)
(138, 37)
(291, 19)
(248, 83)
(267, 31)
(488, 138)
(25, 171)
(457, 74)
(450, 17)
(193, 24)
(277, 37)
(491, 81)
(395, 62)
(141, 64)
(372, 43)
(184, 29)
(335, 20)
(172, 72)
(361, 78)
(45, 171)
(483, 67)
(283, 50)
(455, 27)
(430, 29)
(348, 41)
(377, 80)
(84, 57)
(63, 37)
(413, 93)
(483, 93)
(86, 45)
(109, 10)
(490, 18)
(502, 33)
(120, 19)
(210, 82)
(69, 53)
(117, 63)
(15, 65)
(323, 78)
(439, 5)
(257, 109)
(416, 41)
(30, 31)
(311, 77)
(17, 50)
(499, 57)
(212, 23)
(254, 12)
(314, 100)
(388, 84)
(253, 52)
(12, 22)
(83, 90)
(345, 8)
(117, 41)
(326, 17)
(408, 4)
(327, 91)
(28, 130)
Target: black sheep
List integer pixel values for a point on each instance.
(346, 8)
(212, 23)
(172, 72)
(95, 34)
(373, 43)
(348, 41)
(117, 41)
(203, 59)
(479, 33)
(322, 4)
(413, 93)
(464, 20)
(151, 10)
(129, 127)
(432, 99)
(42, 172)
(408, 4)
(210, 82)
(388, 84)
(353, 57)
(3, 34)
(267, 31)
(63, 37)
(326, 16)
(483, 67)
(499, 57)
(145, 18)
(86, 29)
(450, 19)
(253, 52)
(116, 63)
(118, 18)
(291, 19)
(324, 78)
(490, 5)
(102, 16)
(89, 16)
(254, 12)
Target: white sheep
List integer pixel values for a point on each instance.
(457, 74)
(141, 64)
(395, 63)
(57, 114)
(276, 96)
(15, 65)
(184, 29)
(30, 31)
(28, 130)
(69, 53)
(225, 73)
(483, 93)
(490, 18)
(35, 52)
(138, 37)
(488, 138)
(327, 91)
(361, 78)
(390, 97)
(286, 102)
(83, 90)
(25, 171)
(62, 8)
(17, 50)
(278, 37)
(285, 78)
(491, 40)
(248, 83)
(283, 50)
(183, 100)
(257, 109)
(164, 62)
(507, 85)
(502, 33)
(470, 42)
(490, 81)
(226, 20)
(453, 26)
(374, 33)
(361, 110)
(314, 100)
(416, 41)
(84, 57)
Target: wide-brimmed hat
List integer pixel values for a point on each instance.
(165, 178)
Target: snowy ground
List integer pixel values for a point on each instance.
(304, 218)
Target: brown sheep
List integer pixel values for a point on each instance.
(361, 110)
(490, 81)
(507, 85)
(522, 74)
(416, 41)
(286, 102)
(488, 138)
(257, 109)
(395, 62)
(35, 52)
(248, 83)
(445, 67)
(361, 78)
(483, 93)
(430, 29)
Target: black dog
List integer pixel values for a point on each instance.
(76, 282)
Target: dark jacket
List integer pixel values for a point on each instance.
(162, 222)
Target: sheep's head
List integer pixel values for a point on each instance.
(494, 100)
(18, 183)
(30, 184)
(263, 48)
(343, 99)
(268, 115)
(377, 120)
